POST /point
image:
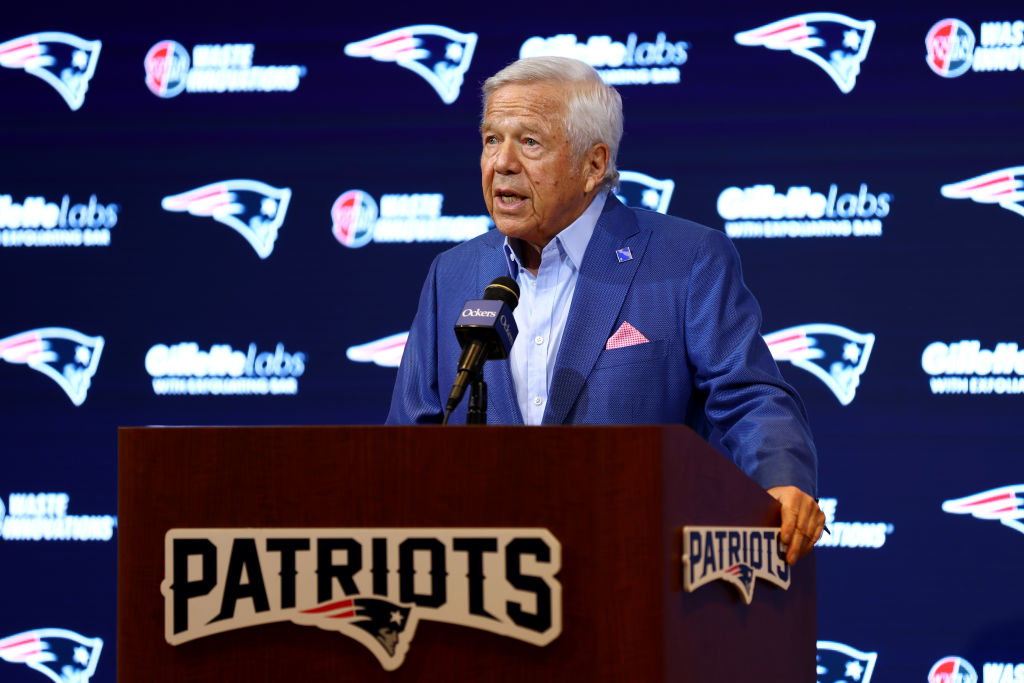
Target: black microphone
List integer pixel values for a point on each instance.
(486, 331)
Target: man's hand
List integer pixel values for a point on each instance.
(802, 521)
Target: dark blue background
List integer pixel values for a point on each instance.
(943, 270)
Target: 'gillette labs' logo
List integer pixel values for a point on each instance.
(66, 356)
(186, 369)
(63, 60)
(965, 367)
(36, 222)
(218, 68)
(356, 220)
(953, 51)
(254, 209)
(44, 517)
(759, 211)
(834, 354)
(836, 43)
(618, 63)
(437, 53)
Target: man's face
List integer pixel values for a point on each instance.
(532, 188)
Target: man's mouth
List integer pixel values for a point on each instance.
(508, 197)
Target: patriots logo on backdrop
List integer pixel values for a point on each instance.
(437, 53)
(1002, 187)
(834, 354)
(840, 663)
(1005, 504)
(386, 627)
(386, 352)
(642, 191)
(254, 209)
(62, 656)
(63, 60)
(836, 43)
(67, 357)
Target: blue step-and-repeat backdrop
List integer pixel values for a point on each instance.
(215, 214)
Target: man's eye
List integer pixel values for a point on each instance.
(530, 142)
(490, 139)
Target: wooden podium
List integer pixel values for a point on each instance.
(615, 498)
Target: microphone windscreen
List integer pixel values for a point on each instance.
(503, 289)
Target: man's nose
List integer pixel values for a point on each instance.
(506, 160)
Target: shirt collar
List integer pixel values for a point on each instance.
(573, 240)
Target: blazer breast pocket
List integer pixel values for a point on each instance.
(646, 352)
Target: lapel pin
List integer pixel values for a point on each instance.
(623, 254)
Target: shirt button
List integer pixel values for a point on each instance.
(537, 400)
(539, 339)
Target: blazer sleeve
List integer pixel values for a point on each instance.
(416, 399)
(761, 418)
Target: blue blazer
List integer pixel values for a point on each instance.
(705, 364)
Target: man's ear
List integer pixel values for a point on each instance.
(595, 163)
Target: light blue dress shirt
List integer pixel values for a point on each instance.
(544, 301)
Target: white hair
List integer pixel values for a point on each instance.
(593, 109)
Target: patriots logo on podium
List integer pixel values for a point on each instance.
(840, 663)
(742, 575)
(643, 191)
(1002, 187)
(385, 628)
(834, 354)
(1005, 504)
(66, 356)
(836, 43)
(63, 60)
(735, 555)
(438, 54)
(62, 656)
(254, 209)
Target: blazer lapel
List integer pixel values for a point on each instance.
(502, 405)
(600, 291)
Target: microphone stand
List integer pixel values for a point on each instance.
(476, 413)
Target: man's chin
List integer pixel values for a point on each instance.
(511, 228)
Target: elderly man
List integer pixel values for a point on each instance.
(625, 316)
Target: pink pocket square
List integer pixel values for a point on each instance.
(626, 335)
